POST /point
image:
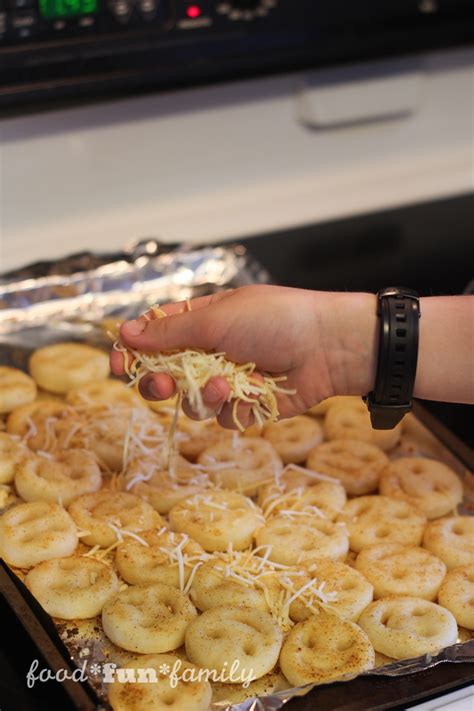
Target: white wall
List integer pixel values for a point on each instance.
(231, 160)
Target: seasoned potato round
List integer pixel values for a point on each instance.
(244, 637)
(212, 588)
(394, 569)
(403, 627)
(37, 531)
(452, 540)
(194, 436)
(351, 420)
(71, 473)
(148, 618)
(159, 560)
(326, 497)
(294, 438)
(237, 694)
(63, 366)
(431, 486)
(456, 594)
(151, 688)
(302, 539)
(357, 465)
(72, 588)
(352, 591)
(242, 466)
(16, 388)
(217, 519)
(379, 519)
(100, 514)
(104, 392)
(324, 648)
(161, 489)
(11, 453)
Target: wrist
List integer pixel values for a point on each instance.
(350, 331)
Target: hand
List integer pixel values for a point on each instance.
(323, 343)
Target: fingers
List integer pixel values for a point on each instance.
(180, 307)
(186, 328)
(214, 394)
(157, 386)
(117, 362)
(182, 330)
(243, 414)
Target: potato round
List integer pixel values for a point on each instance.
(324, 648)
(162, 490)
(329, 497)
(151, 689)
(16, 388)
(223, 636)
(322, 407)
(63, 366)
(294, 437)
(158, 561)
(452, 540)
(39, 423)
(98, 513)
(456, 594)
(394, 569)
(379, 519)
(103, 392)
(353, 591)
(148, 618)
(194, 436)
(357, 465)
(302, 539)
(72, 588)
(216, 519)
(69, 475)
(403, 627)
(237, 694)
(242, 465)
(429, 485)
(37, 531)
(351, 420)
(11, 453)
(212, 588)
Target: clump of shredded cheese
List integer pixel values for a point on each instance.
(251, 568)
(192, 368)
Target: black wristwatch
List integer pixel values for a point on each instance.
(391, 398)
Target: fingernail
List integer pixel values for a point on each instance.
(135, 327)
(213, 394)
(149, 391)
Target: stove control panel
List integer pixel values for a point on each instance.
(74, 49)
(24, 21)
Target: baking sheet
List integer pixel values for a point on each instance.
(67, 300)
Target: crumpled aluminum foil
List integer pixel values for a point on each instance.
(67, 300)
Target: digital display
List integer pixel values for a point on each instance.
(56, 9)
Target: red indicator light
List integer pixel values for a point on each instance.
(193, 11)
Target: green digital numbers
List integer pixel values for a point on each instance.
(52, 9)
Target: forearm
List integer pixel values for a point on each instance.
(445, 368)
(445, 358)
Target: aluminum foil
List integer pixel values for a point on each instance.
(68, 299)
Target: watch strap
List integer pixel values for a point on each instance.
(399, 312)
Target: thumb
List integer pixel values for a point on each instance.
(183, 330)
